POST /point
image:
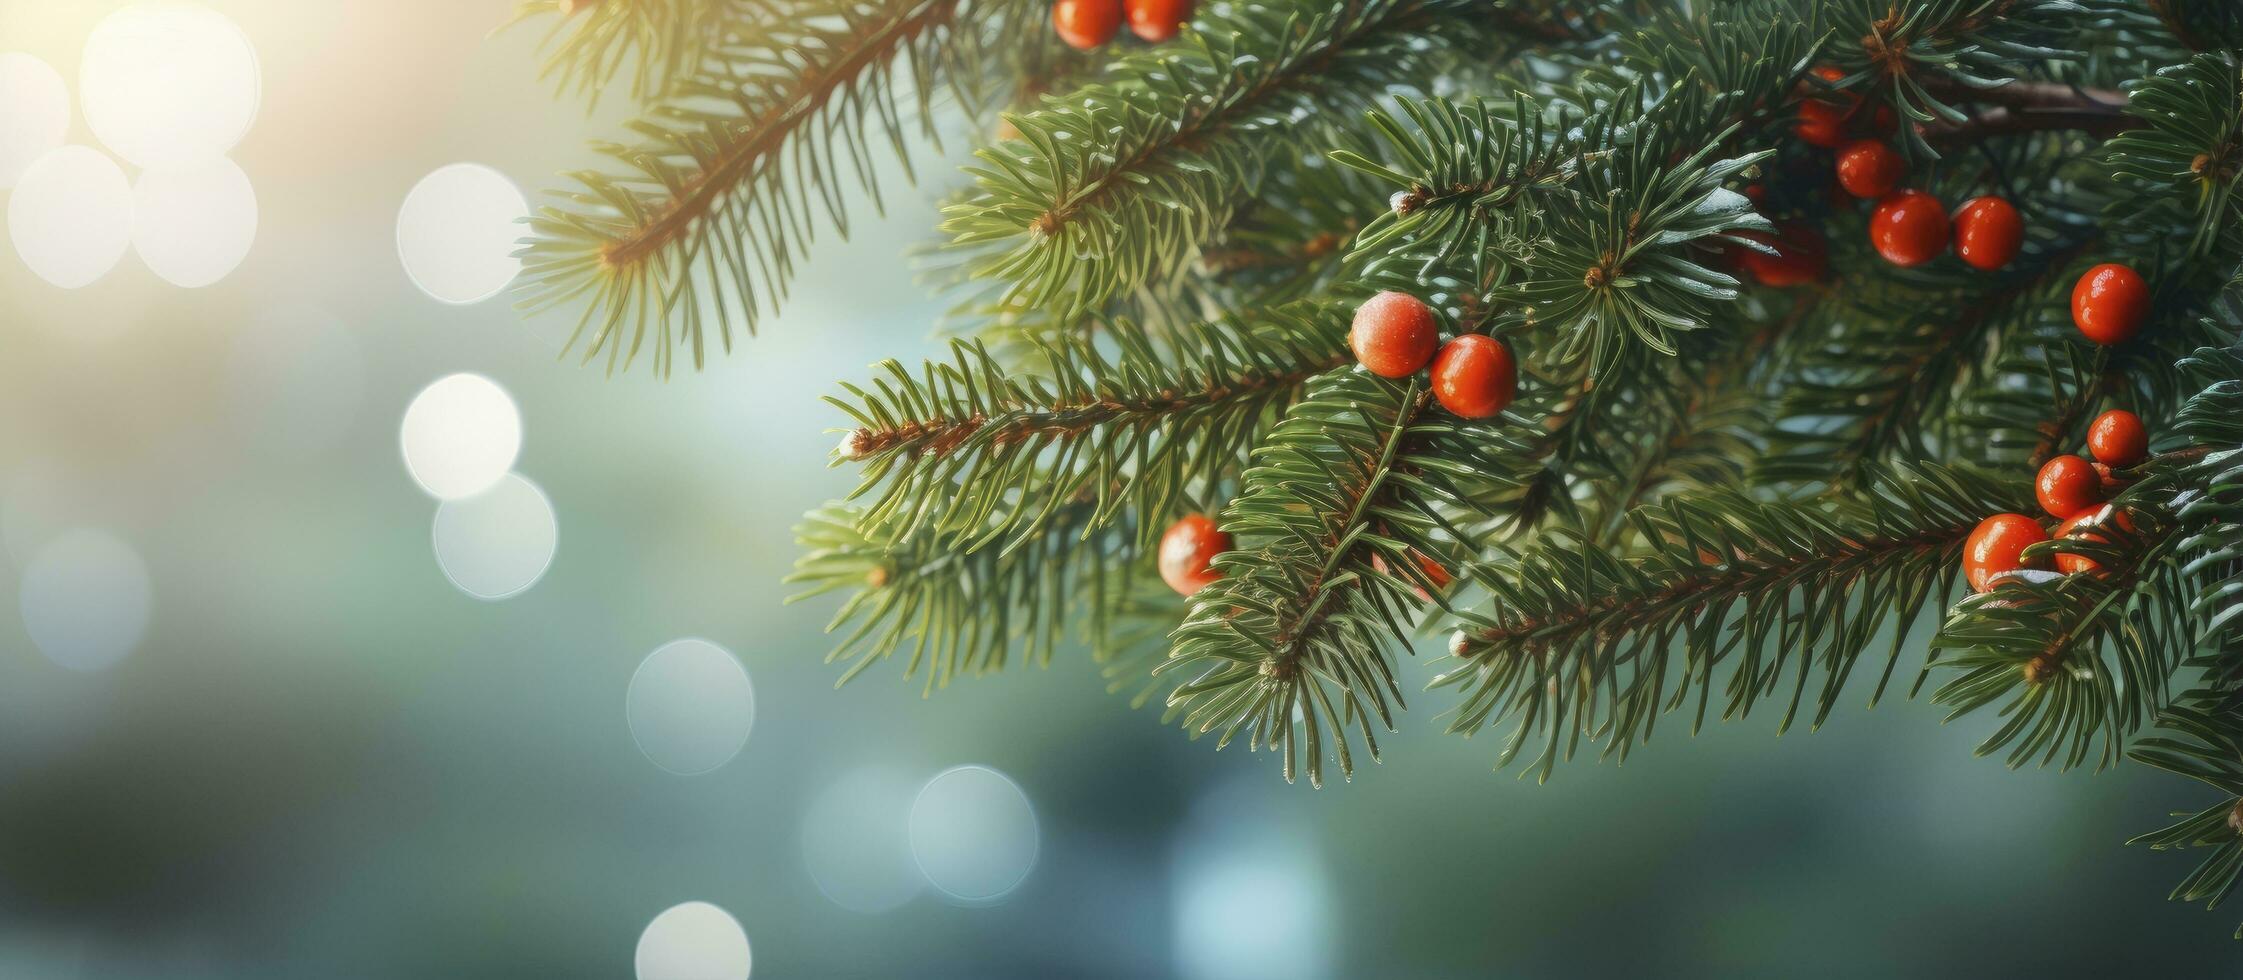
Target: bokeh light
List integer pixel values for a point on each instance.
(193, 224)
(854, 840)
(457, 230)
(36, 113)
(1252, 898)
(85, 599)
(297, 377)
(499, 542)
(70, 216)
(694, 941)
(460, 436)
(168, 83)
(690, 706)
(973, 834)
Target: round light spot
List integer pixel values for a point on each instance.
(457, 230)
(689, 706)
(460, 436)
(85, 599)
(298, 377)
(973, 834)
(854, 842)
(37, 113)
(694, 941)
(193, 224)
(168, 83)
(499, 542)
(1252, 911)
(70, 216)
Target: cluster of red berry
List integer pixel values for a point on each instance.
(1087, 24)
(1910, 227)
(1394, 335)
(2072, 491)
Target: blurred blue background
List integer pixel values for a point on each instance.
(323, 760)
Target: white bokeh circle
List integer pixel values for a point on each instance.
(973, 834)
(460, 436)
(85, 599)
(34, 113)
(456, 232)
(690, 706)
(168, 83)
(499, 542)
(855, 843)
(70, 216)
(194, 223)
(693, 941)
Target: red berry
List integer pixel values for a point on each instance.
(1187, 548)
(1909, 228)
(1870, 168)
(2110, 303)
(2117, 438)
(2081, 528)
(2066, 486)
(1433, 570)
(1086, 24)
(1994, 547)
(1800, 255)
(1821, 122)
(1474, 376)
(1394, 334)
(1988, 232)
(1157, 20)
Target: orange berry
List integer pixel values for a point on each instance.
(1393, 334)
(1870, 168)
(1474, 376)
(1157, 20)
(2118, 439)
(2066, 486)
(2109, 303)
(1909, 228)
(1994, 547)
(1086, 24)
(1187, 550)
(1800, 255)
(1988, 232)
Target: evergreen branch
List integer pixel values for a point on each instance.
(710, 209)
(1291, 646)
(1863, 398)
(964, 612)
(1156, 423)
(592, 41)
(2191, 150)
(2206, 745)
(1578, 643)
(1109, 185)
(1595, 221)
(2087, 655)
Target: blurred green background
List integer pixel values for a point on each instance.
(323, 760)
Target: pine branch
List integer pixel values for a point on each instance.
(1291, 647)
(1595, 219)
(655, 41)
(2191, 150)
(1867, 395)
(964, 612)
(1183, 137)
(1157, 424)
(1578, 643)
(703, 221)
